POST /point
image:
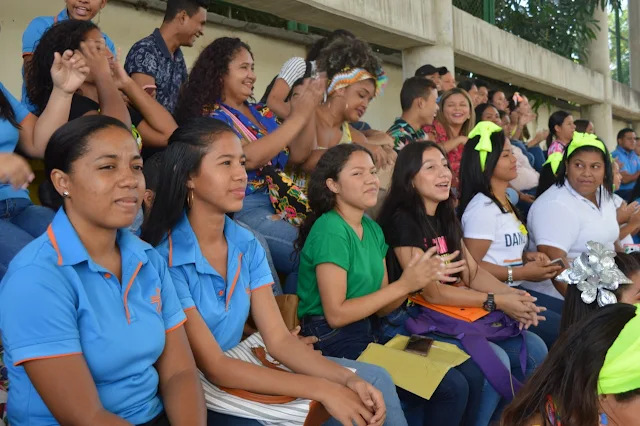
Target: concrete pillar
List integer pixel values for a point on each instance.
(440, 54)
(601, 115)
(634, 42)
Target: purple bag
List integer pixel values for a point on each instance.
(475, 337)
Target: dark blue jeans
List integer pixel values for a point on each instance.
(20, 223)
(549, 329)
(447, 405)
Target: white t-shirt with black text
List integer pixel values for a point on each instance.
(484, 220)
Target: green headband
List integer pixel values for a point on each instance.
(584, 139)
(484, 129)
(554, 159)
(620, 372)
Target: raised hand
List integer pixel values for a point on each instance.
(69, 71)
(120, 76)
(95, 58)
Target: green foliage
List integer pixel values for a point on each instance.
(564, 27)
(624, 46)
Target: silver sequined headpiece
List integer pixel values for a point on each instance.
(596, 275)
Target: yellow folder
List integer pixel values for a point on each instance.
(417, 374)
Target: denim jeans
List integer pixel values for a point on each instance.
(20, 223)
(509, 353)
(375, 375)
(393, 324)
(549, 329)
(258, 214)
(446, 406)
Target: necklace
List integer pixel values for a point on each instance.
(509, 208)
(439, 241)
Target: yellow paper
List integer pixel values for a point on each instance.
(417, 374)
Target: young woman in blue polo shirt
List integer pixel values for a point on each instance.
(221, 275)
(20, 220)
(91, 323)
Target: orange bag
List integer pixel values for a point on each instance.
(463, 314)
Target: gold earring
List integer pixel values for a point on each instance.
(190, 198)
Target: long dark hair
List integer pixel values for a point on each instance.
(574, 309)
(181, 160)
(6, 112)
(546, 181)
(205, 84)
(321, 198)
(569, 374)
(556, 119)
(402, 196)
(475, 181)
(65, 35)
(561, 175)
(68, 144)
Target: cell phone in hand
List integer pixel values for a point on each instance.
(419, 345)
(559, 262)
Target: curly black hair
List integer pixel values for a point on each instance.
(204, 86)
(347, 53)
(62, 36)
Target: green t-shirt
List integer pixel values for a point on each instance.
(332, 240)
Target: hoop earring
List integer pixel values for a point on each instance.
(190, 198)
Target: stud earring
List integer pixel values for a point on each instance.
(65, 194)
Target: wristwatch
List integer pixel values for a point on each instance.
(490, 304)
(509, 275)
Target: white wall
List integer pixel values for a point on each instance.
(126, 25)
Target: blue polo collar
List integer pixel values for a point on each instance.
(185, 250)
(71, 251)
(63, 16)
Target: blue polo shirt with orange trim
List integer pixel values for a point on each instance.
(224, 305)
(56, 301)
(32, 35)
(9, 137)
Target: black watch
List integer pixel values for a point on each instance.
(490, 304)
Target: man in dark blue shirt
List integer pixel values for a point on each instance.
(156, 62)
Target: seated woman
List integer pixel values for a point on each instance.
(100, 93)
(355, 78)
(598, 355)
(419, 214)
(90, 305)
(577, 208)
(221, 275)
(20, 220)
(561, 128)
(342, 280)
(220, 86)
(578, 304)
(495, 231)
(455, 119)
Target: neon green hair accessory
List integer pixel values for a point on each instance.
(484, 129)
(554, 159)
(620, 372)
(584, 139)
